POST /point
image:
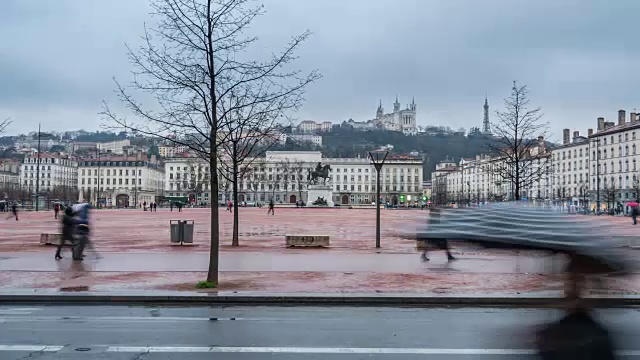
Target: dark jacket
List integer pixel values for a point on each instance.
(68, 226)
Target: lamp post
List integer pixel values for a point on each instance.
(378, 160)
(38, 172)
(597, 141)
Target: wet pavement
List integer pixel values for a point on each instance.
(137, 230)
(318, 261)
(231, 333)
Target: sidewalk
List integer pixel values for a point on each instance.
(329, 273)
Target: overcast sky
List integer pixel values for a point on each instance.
(579, 57)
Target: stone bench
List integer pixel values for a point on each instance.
(307, 240)
(50, 239)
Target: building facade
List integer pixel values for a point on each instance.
(126, 180)
(10, 179)
(614, 156)
(313, 127)
(284, 177)
(485, 178)
(354, 180)
(115, 147)
(58, 175)
(403, 120)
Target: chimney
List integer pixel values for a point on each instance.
(621, 117)
(590, 132)
(125, 152)
(576, 134)
(632, 117)
(565, 136)
(600, 123)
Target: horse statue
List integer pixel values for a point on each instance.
(321, 172)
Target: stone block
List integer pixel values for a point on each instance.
(307, 240)
(50, 239)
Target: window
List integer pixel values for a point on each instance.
(120, 172)
(626, 137)
(120, 181)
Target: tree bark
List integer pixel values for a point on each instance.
(235, 241)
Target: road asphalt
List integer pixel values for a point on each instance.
(256, 333)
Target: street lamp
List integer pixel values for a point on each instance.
(597, 141)
(378, 158)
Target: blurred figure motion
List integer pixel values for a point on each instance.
(83, 240)
(68, 231)
(577, 335)
(440, 244)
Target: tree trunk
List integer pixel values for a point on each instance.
(234, 240)
(212, 274)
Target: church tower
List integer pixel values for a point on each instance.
(396, 105)
(486, 127)
(413, 104)
(380, 111)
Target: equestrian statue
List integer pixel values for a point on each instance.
(321, 172)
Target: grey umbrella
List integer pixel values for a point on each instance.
(518, 226)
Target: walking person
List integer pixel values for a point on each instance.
(56, 210)
(441, 244)
(68, 230)
(171, 206)
(14, 211)
(634, 214)
(155, 207)
(272, 207)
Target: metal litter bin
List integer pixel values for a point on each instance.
(187, 231)
(181, 231)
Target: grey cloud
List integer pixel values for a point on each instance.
(577, 56)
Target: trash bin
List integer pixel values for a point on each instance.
(187, 231)
(181, 231)
(174, 228)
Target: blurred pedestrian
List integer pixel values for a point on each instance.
(68, 230)
(634, 214)
(56, 210)
(155, 207)
(171, 206)
(272, 208)
(14, 211)
(440, 244)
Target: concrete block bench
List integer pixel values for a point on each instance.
(307, 240)
(50, 239)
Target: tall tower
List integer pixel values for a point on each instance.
(486, 127)
(396, 105)
(380, 111)
(413, 104)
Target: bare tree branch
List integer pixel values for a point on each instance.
(202, 90)
(521, 159)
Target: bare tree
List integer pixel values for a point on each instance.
(4, 124)
(584, 194)
(192, 63)
(197, 179)
(300, 172)
(635, 186)
(610, 193)
(517, 142)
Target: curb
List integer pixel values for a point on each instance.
(393, 300)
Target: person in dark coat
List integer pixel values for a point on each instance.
(634, 214)
(68, 230)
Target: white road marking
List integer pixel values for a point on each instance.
(317, 350)
(292, 350)
(119, 318)
(31, 348)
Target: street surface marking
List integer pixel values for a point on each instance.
(319, 350)
(31, 348)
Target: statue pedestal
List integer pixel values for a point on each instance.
(320, 191)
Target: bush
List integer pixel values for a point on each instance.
(206, 285)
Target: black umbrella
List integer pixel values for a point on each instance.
(512, 225)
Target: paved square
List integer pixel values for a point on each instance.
(137, 230)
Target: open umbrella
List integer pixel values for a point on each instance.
(588, 242)
(632, 204)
